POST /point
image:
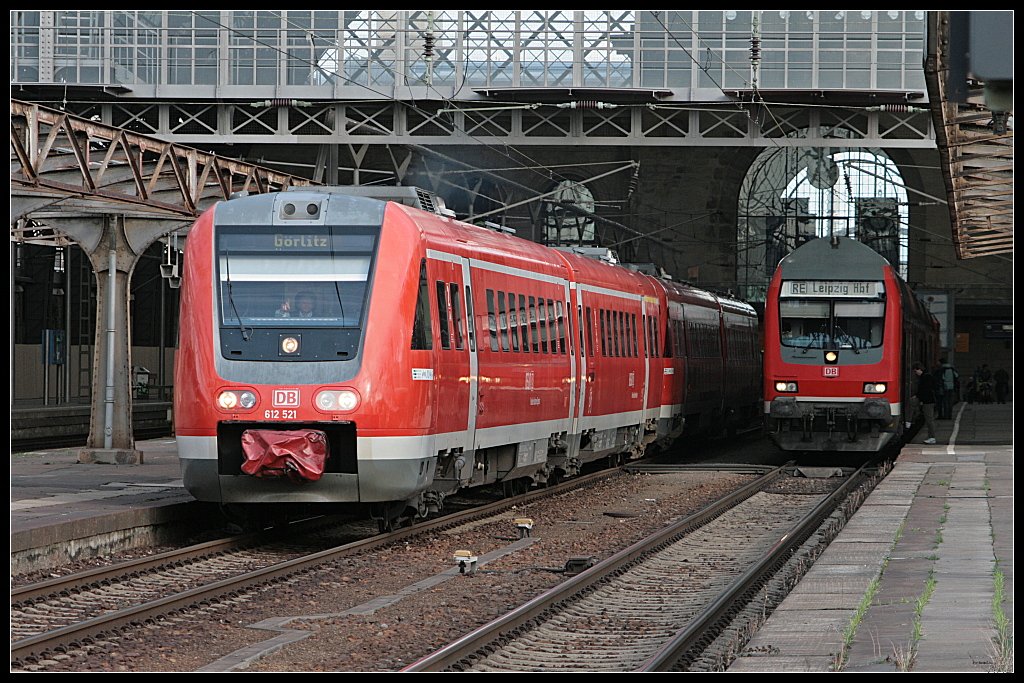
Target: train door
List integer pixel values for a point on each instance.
(574, 367)
(649, 309)
(588, 366)
(579, 362)
(454, 421)
(471, 342)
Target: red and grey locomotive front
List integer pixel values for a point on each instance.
(832, 338)
(275, 351)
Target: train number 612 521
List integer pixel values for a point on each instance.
(279, 414)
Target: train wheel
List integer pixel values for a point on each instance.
(392, 516)
(246, 519)
(516, 487)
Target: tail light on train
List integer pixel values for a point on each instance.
(337, 400)
(231, 399)
(874, 387)
(789, 387)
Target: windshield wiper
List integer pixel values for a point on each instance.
(840, 332)
(811, 344)
(337, 290)
(231, 299)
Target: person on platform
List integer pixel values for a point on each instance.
(925, 398)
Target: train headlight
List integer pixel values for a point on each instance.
(831, 356)
(874, 388)
(290, 345)
(233, 398)
(337, 399)
(789, 387)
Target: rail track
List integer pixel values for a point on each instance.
(70, 611)
(656, 604)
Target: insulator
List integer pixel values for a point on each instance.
(634, 182)
(428, 45)
(755, 49)
(587, 104)
(897, 109)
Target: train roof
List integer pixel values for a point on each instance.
(839, 259)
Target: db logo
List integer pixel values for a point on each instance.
(286, 398)
(830, 371)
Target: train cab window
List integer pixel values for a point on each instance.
(421, 337)
(831, 323)
(316, 280)
(492, 321)
(859, 324)
(502, 321)
(804, 323)
(456, 316)
(442, 315)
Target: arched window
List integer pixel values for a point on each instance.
(794, 194)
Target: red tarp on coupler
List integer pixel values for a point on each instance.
(299, 454)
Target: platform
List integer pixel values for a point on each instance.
(60, 505)
(908, 584)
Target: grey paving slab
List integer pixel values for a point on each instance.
(820, 601)
(821, 663)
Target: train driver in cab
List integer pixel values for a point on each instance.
(305, 305)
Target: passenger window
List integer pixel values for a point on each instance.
(543, 323)
(503, 321)
(561, 327)
(524, 324)
(456, 316)
(442, 315)
(470, 320)
(615, 333)
(513, 322)
(589, 324)
(492, 323)
(552, 330)
(533, 325)
(633, 335)
(421, 337)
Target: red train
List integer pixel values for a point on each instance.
(337, 348)
(842, 330)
